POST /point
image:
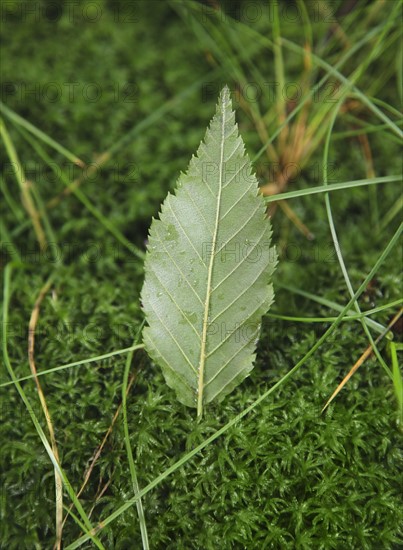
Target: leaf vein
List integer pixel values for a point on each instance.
(239, 229)
(168, 365)
(172, 336)
(238, 327)
(247, 343)
(235, 175)
(200, 212)
(186, 235)
(235, 203)
(233, 152)
(177, 305)
(179, 269)
(236, 267)
(200, 387)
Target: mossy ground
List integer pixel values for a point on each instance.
(285, 476)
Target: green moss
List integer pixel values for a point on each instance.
(285, 476)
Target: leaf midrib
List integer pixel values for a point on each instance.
(210, 267)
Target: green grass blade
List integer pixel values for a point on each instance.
(132, 467)
(17, 119)
(330, 304)
(77, 363)
(336, 239)
(332, 187)
(397, 381)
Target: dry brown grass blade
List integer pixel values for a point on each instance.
(289, 212)
(369, 168)
(89, 171)
(25, 186)
(98, 451)
(290, 158)
(33, 213)
(361, 360)
(31, 349)
(259, 125)
(99, 495)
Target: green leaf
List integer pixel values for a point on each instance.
(208, 268)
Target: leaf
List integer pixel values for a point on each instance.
(207, 269)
